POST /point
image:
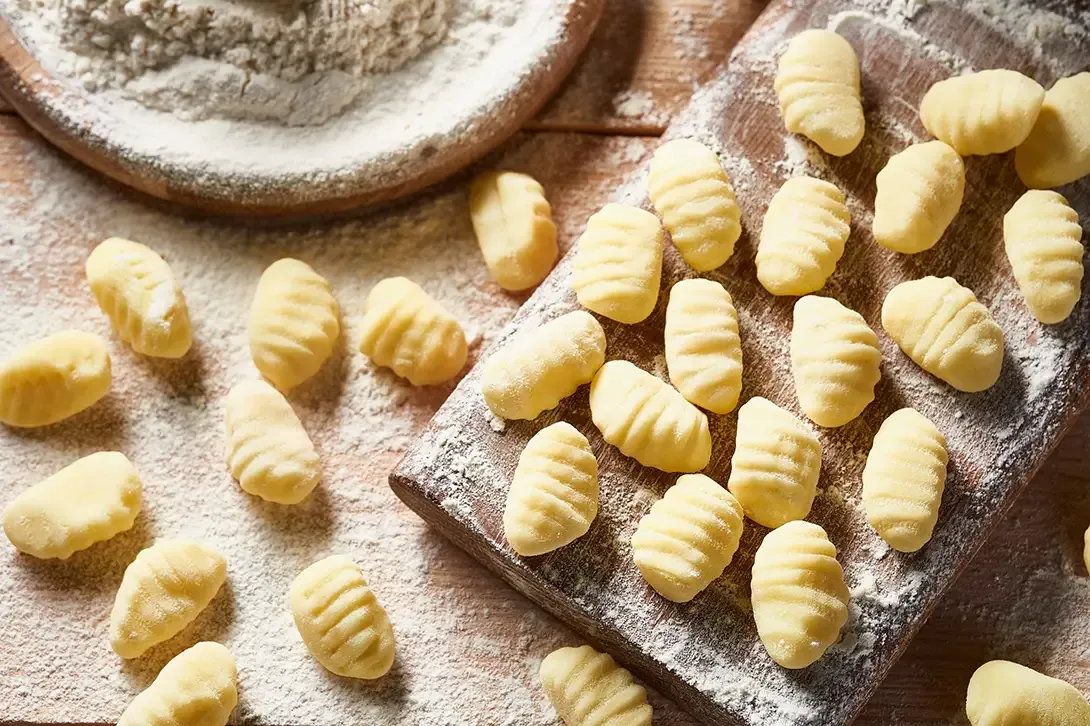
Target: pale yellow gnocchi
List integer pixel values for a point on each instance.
(919, 193)
(54, 378)
(988, 112)
(588, 688)
(1043, 239)
(196, 688)
(1002, 693)
(409, 332)
(514, 227)
(1057, 150)
(703, 346)
(341, 622)
(136, 289)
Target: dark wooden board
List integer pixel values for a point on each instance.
(706, 654)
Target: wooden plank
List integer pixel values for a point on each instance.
(705, 654)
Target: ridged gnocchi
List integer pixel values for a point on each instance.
(903, 480)
(648, 420)
(554, 494)
(1057, 150)
(691, 192)
(835, 361)
(164, 589)
(1043, 240)
(196, 688)
(776, 464)
(703, 347)
(688, 538)
(86, 502)
(919, 193)
(940, 325)
(409, 332)
(1086, 548)
(805, 229)
(54, 378)
(588, 688)
(988, 112)
(514, 227)
(800, 600)
(618, 263)
(541, 367)
(818, 88)
(136, 289)
(294, 323)
(268, 451)
(1002, 693)
(341, 622)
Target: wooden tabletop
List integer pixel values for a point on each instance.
(1026, 596)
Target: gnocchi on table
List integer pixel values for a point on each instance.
(988, 112)
(1002, 693)
(54, 378)
(196, 688)
(1043, 239)
(919, 193)
(514, 227)
(588, 688)
(1057, 150)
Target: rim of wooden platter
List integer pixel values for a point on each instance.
(61, 111)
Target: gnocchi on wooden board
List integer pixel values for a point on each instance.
(1043, 240)
(1057, 150)
(1002, 693)
(988, 112)
(919, 193)
(588, 688)
(196, 688)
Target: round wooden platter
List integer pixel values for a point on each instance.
(370, 171)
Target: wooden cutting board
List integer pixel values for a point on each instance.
(706, 654)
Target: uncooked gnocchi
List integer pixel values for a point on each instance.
(1043, 240)
(541, 367)
(688, 538)
(86, 502)
(818, 88)
(268, 451)
(294, 323)
(514, 227)
(618, 263)
(805, 229)
(835, 361)
(690, 190)
(164, 589)
(988, 112)
(409, 332)
(588, 688)
(341, 622)
(940, 325)
(919, 194)
(1002, 693)
(776, 464)
(903, 480)
(136, 289)
(648, 420)
(1086, 549)
(53, 378)
(800, 600)
(196, 688)
(554, 494)
(703, 348)
(1057, 150)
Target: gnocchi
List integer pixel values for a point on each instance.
(1002, 693)
(1057, 150)
(818, 88)
(703, 347)
(164, 589)
(268, 451)
(294, 323)
(541, 367)
(554, 495)
(800, 600)
(196, 688)
(86, 502)
(588, 688)
(988, 112)
(805, 229)
(409, 332)
(1043, 240)
(940, 325)
(835, 361)
(648, 420)
(903, 480)
(919, 193)
(341, 622)
(54, 378)
(1086, 549)
(776, 464)
(618, 263)
(136, 289)
(514, 227)
(691, 192)
(688, 538)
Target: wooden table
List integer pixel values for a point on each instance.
(1027, 595)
